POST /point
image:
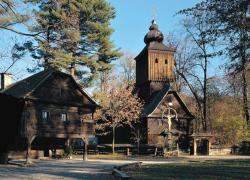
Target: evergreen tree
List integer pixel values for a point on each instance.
(9, 17)
(75, 32)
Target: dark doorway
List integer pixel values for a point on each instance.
(202, 147)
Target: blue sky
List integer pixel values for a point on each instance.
(133, 18)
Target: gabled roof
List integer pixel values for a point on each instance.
(23, 88)
(159, 97)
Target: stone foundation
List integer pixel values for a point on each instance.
(220, 151)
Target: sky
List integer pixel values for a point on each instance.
(133, 18)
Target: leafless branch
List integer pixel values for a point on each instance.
(18, 32)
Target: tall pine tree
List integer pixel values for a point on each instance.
(9, 17)
(74, 32)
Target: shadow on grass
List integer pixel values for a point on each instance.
(216, 169)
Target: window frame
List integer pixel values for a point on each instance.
(166, 61)
(64, 118)
(45, 119)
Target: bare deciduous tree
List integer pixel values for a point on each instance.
(120, 107)
(127, 65)
(193, 64)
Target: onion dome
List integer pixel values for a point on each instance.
(154, 34)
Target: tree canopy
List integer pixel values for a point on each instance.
(228, 22)
(73, 33)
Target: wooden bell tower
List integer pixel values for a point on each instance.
(154, 65)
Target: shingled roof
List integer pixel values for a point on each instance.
(23, 88)
(154, 46)
(159, 97)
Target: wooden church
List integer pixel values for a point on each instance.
(154, 84)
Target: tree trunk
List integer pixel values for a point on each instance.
(29, 141)
(195, 94)
(205, 96)
(28, 153)
(138, 141)
(68, 149)
(243, 52)
(245, 97)
(113, 142)
(244, 81)
(85, 153)
(4, 157)
(104, 79)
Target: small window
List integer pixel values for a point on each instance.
(64, 117)
(156, 60)
(166, 61)
(45, 115)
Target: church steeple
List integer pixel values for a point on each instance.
(154, 34)
(154, 65)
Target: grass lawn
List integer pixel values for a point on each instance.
(206, 169)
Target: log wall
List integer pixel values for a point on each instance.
(34, 125)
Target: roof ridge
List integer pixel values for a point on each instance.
(162, 93)
(39, 83)
(83, 90)
(26, 85)
(151, 107)
(18, 82)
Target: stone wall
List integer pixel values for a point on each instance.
(220, 150)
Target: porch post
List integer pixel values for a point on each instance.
(69, 148)
(85, 149)
(208, 147)
(178, 152)
(195, 147)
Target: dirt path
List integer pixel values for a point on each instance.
(58, 169)
(93, 169)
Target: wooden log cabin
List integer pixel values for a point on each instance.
(154, 84)
(43, 112)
